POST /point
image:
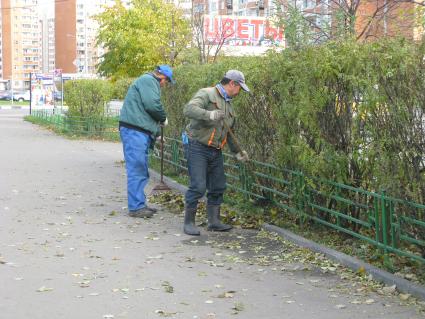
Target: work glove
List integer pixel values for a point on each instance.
(216, 115)
(242, 156)
(165, 123)
(158, 139)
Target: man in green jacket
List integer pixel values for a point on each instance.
(140, 120)
(211, 115)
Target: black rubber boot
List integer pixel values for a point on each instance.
(189, 222)
(214, 224)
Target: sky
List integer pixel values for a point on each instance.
(46, 5)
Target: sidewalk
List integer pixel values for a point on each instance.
(68, 250)
(26, 107)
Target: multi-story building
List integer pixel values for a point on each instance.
(48, 43)
(389, 18)
(75, 34)
(20, 41)
(233, 7)
(235, 27)
(1, 53)
(185, 6)
(366, 19)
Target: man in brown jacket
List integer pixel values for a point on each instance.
(211, 115)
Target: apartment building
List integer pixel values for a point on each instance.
(76, 50)
(389, 18)
(21, 52)
(368, 19)
(48, 43)
(185, 6)
(1, 46)
(234, 7)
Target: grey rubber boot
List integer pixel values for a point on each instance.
(189, 222)
(214, 224)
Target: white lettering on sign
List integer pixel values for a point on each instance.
(232, 30)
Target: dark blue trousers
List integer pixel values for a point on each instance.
(206, 173)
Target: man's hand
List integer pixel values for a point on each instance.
(242, 156)
(165, 123)
(216, 115)
(158, 139)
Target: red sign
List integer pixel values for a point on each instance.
(237, 31)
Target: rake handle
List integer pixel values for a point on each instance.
(162, 154)
(235, 140)
(232, 135)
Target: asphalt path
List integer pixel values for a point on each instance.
(69, 250)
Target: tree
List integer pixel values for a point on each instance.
(318, 21)
(209, 45)
(137, 39)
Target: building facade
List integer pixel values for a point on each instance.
(247, 8)
(21, 37)
(48, 43)
(392, 18)
(365, 19)
(75, 34)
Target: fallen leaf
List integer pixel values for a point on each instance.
(167, 287)
(227, 294)
(388, 289)
(84, 284)
(94, 294)
(238, 306)
(155, 257)
(404, 297)
(163, 313)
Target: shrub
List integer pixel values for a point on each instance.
(343, 111)
(120, 88)
(87, 98)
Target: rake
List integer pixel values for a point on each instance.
(161, 186)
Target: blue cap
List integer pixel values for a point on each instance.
(167, 71)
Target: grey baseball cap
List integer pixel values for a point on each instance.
(237, 76)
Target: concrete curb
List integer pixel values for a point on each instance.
(353, 263)
(13, 107)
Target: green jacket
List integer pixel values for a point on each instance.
(204, 130)
(142, 106)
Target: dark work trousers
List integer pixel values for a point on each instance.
(206, 173)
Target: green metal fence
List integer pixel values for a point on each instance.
(390, 224)
(102, 126)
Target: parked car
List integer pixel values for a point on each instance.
(5, 95)
(57, 95)
(21, 96)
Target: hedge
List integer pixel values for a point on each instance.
(353, 113)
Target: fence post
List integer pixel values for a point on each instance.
(384, 228)
(175, 158)
(395, 238)
(243, 177)
(299, 196)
